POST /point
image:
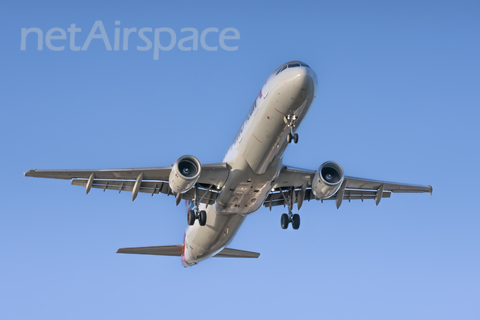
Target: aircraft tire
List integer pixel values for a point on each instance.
(191, 217)
(202, 219)
(296, 221)
(284, 221)
(295, 138)
(289, 138)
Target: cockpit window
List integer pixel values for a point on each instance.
(282, 68)
(293, 65)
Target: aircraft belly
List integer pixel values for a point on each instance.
(268, 139)
(244, 191)
(254, 161)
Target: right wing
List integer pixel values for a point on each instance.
(295, 184)
(150, 180)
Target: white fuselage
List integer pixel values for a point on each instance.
(254, 159)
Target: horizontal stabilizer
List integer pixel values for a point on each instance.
(175, 251)
(234, 253)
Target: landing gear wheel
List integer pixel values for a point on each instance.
(295, 221)
(289, 138)
(191, 217)
(202, 218)
(295, 138)
(284, 221)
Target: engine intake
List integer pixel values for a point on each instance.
(327, 180)
(184, 174)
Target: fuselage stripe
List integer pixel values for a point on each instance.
(256, 138)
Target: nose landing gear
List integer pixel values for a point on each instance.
(291, 121)
(292, 137)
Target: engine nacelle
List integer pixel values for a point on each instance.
(184, 174)
(327, 180)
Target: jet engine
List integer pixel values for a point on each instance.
(184, 174)
(327, 180)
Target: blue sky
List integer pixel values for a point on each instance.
(398, 100)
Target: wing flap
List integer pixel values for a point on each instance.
(276, 198)
(207, 196)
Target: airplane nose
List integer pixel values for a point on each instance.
(313, 76)
(308, 79)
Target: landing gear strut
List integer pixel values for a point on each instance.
(196, 214)
(290, 217)
(291, 121)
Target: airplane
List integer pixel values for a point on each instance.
(220, 196)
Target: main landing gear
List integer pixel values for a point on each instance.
(290, 217)
(291, 121)
(196, 214)
(294, 219)
(201, 216)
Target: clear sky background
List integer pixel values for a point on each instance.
(398, 100)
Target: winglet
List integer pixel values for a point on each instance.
(431, 191)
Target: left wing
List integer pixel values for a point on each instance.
(293, 184)
(147, 180)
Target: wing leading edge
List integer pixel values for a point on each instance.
(211, 173)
